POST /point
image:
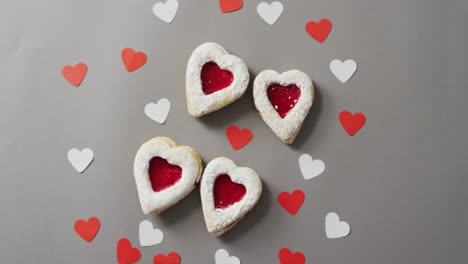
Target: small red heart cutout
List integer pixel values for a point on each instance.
(319, 31)
(238, 138)
(133, 60)
(352, 123)
(87, 230)
(75, 74)
(171, 258)
(126, 254)
(230, 5)
(287, 257)
(291, 202)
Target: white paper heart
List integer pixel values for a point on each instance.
(200, 103)
(158, 111)
(310, 168)
(166, 11)
(217, 220)
(148, 235)
(270, 12)
(183, 156)
(80, 160)
(335, 228)
(222, 257)
(288, 127)
(343, 71)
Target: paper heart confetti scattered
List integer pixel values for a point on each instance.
(87, 230)
(237, 137)
(270, 12)
(334, 228)
(126, 254)
(166, 11)
(222, 257)
(133, 60)
(319, 31)
(291, 202)
(230, 5)
(158, 111)
(75, 74)
(148, 235)
(352, 123)
(171, 258)
(343, 71)
(310, 168)
(286, 256)
(80, 160)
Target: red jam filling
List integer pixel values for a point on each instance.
(214, 79)
(162, 174)
(227, 192)
(283, 98)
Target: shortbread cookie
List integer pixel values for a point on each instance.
(214, 79)
(165, 173)
(227, 193)
(283, 101)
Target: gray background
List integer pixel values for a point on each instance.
(401, 182)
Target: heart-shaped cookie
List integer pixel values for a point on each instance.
(214, 79)
(283, 101)
(227, 193)
(165, 173)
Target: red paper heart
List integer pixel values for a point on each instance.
(287, 257)
(87, 230)
(163, 174)
(238, 138)
(126, 254)
(319, 31)
(230, 5)
(283, 98)
(226, 192)
(171, 258)
(133, 60)
(291, 202)
(75, 75)
(214, 79)
(352, 123)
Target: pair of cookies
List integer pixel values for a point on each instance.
(165, 173)
(216, 78)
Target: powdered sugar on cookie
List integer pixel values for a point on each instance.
(286, 124)
(220, 220)
(200, 103)
(182, 156)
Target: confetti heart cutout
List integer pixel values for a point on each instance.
(75, 74)
(222, 257)
(87, 230)
(133, 60)
(343, 71)
(166, 11)
(270, 12)
(158, 111)
(334, 228)
(310, 168)
(80, 160)
(286, 256)
(238, 138)
(126, 254)
(291, 202)
(352, 123)
(230, 5)
(319, 31)
(171, 258)
(148, 235)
